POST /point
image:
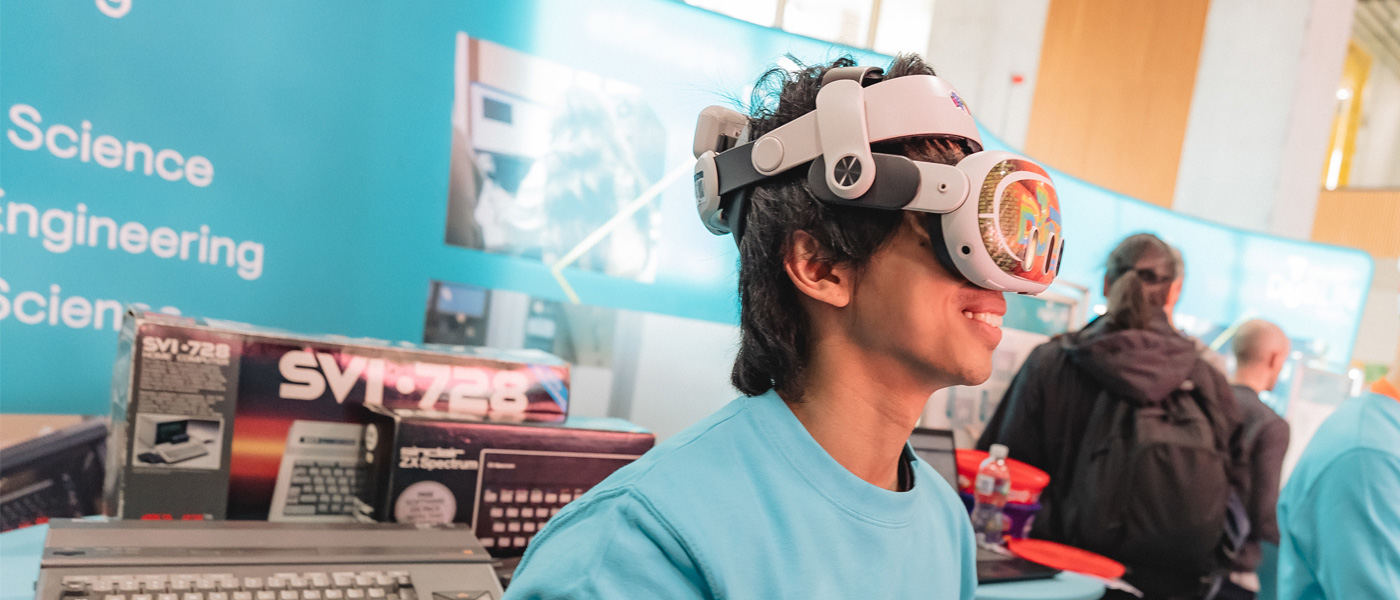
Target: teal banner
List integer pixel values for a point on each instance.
(316, 166)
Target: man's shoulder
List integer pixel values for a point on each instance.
(683, 460)
(1369, 425)
(1253, 411)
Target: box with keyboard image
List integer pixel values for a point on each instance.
(506, 480)
(210, 417)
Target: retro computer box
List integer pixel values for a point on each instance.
(214, 419)
(506, 480)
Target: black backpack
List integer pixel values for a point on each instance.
(1151, 484)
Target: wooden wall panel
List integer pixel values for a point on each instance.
(1114, 91)
(1365, 219)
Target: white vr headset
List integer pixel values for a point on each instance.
(1000, 215)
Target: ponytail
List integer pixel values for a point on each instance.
(1128, 303)
(1137, 293)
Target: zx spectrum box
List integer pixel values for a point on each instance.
(505, 480)
(208, 416)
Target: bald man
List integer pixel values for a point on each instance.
(1338, 517)
(1261, 349)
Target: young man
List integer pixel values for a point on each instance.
(805, 487)
(1260, 349)
(1338, 518)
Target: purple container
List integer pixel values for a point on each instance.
(1022, 515)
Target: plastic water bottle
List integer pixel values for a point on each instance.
(990, 490)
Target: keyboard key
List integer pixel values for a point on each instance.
(114, 597)
(130, 585)
(215, 596)
(307, 595)
(252, 583)
(243, 596)
(522, 496)
(490, 496)
(565, 497)
(104, 586)
(503, 542)
(288, 595)
(553, 511)
(354, 594)
(364, 580)
(528, 513)
(512, 513)
(551, 498)
(205, 584)
(488, 542)
(192, 596)
(266, 595)
(520, 542)
(498, 527)
(168, 596)
(140, 597)
(497, 512)
(529, 527)
(514, 526)
(536, 496)
(375, 593)
(507, 495)
(334, 594)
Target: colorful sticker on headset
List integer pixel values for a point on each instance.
(1019, 219)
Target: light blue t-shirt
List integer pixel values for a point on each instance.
(745, 504)
(1339, 515)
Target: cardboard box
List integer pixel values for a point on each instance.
(203, 410)
(506, 480)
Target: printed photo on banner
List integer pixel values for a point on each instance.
(550, 163)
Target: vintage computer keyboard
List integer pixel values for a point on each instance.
(255, 560)
(521, 490)
(321, 487)
(180, 452)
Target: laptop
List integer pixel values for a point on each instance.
(935, 447)
(259, 560)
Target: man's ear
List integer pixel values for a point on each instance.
(1174, 292)
(816, 278)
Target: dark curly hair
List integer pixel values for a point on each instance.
(774, 343)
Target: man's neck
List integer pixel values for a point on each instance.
(1254, 379)
(861, 413)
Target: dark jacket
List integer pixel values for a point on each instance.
(1043, 416)
(1263, 441)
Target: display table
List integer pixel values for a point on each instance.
(20, 550)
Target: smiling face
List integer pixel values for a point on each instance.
(909, 308)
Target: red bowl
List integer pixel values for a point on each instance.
(1026, 481)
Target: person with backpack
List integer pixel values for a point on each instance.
(1137, 432)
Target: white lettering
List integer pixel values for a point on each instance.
(166, 174)
(105, 150)
(114, 8)
(304, 382)
(29, 318)
(65, 131)
(164, 242)
(341, 383)
(18, 115)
